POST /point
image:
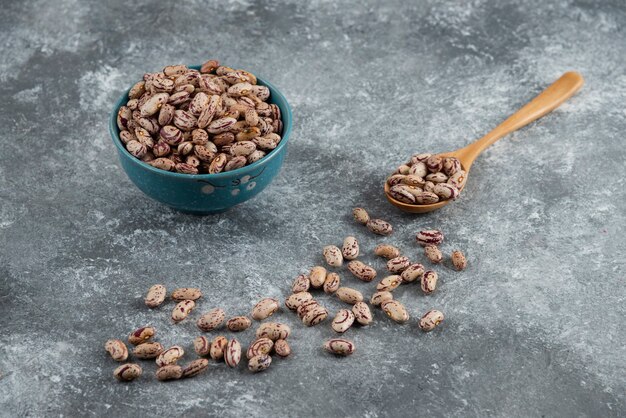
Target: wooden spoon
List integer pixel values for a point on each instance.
(548, 100)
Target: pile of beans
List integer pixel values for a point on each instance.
(427, 179)
(199, 122)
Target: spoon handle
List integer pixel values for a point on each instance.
(548, 100)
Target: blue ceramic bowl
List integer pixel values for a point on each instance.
(204, 194)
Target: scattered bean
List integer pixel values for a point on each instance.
(317, 276)
(429, 281)
(332, 282)
(362, 313)
(380, 297)
(412, 273)
(169, 372)
(195, 367)
(273, 330)
(282, 348)
(218, 346)
(202, 346)
(186, 293)
(339, 346)
(127, 372)
(141, 335)
(386, 251)
(156, 296)
(264, 308)
(333, 256)
(360, 215)
(260, 346)
(349, 295)
(395, 310)
(306, 307)
(314, 315)
(433, 253)
(259, 363)
(380, 227)
(361, 271)
(430, 320)
(343, 321)
(350, 249)
(211, 320)
(238, 323)
(170, 356)
(148, 350)
(182, 309)
(429, 237)
(389, 283)
(398, 264)
(232, 354)
(117, 349)
(297, 299)
(458, 260)
(301, 284)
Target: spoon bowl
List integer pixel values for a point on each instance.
(407, 207)
(548, 100)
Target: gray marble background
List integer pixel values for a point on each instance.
(535, 326)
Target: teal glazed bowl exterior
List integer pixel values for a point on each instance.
(204, 194)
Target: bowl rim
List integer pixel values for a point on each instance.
(287, 124)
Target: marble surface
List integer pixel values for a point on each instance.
(534, 327)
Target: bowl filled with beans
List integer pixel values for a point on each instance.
(201, 139)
